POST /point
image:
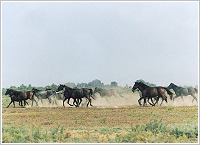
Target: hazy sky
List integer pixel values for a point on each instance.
(59, 42)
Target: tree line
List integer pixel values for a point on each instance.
(92, 84)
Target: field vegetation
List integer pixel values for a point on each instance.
(78, 125)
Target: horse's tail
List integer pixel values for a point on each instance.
(169, 93)
(196, 90)
(91, 93)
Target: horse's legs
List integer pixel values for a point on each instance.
(161, 102)
(20, 103)
(41, 100)
(139, 101)
(76, 101)
(64, 102)
(194, 98)
(157, 99)
(69, 103)
(36, 102)
(10, 103)
(49, 99)
(89, 102)
(25, 102)
(56, 102)
(14, 103)
(79, 103)
(182, 98)
(151, 102)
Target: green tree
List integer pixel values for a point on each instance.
(54, 87)
(29, 87)
(96, 83)
(22, 88)
(82, 85)
(71, 85)
(113, 84)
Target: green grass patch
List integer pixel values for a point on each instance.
(157, 132)
(152, 132)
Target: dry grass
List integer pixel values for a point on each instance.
(98, 117)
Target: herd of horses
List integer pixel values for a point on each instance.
(63, 92)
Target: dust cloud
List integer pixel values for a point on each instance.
(131, 99)
(128, 99)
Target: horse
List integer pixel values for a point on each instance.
(20, 96)
(180, 91)
(109, 93)
(151, 92)
(67, 91)
(47, 94)
(76, 94)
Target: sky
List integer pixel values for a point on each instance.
(60, 42)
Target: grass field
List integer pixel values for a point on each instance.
(125, 124)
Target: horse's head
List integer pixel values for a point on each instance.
(171, 86)
(60, 87)
(9, 92)
(139, 86)
(135, 87)
(34, 90)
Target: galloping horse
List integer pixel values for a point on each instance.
(20, 96)
(48, 94)
(179, 91)
(76, 94)
(151, 92)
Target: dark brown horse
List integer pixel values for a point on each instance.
(151, 92)
(20, 96)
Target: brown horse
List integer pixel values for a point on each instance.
(20, 96)
(151, 92)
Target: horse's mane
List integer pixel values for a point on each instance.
(146, 83)
(141, 83)
(174, 85)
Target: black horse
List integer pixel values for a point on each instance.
(76, 94)
(151, 92)
(180, 91)
(20, 96)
